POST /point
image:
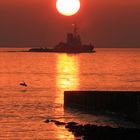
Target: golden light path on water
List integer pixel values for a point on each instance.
(67, 72)
(67, 78)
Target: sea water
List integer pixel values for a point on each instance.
(47, 75)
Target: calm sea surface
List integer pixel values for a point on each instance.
(24, 109)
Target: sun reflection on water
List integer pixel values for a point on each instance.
(67, 72)
(67, 78)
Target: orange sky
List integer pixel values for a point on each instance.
(107, 23)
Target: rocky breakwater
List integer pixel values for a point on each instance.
(93, 132)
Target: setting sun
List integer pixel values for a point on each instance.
(68, 7)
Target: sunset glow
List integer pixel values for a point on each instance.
(68, 7)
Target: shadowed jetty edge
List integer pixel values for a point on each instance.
(123, 103)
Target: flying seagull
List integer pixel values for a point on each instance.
(23, 84)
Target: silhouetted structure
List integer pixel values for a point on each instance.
(123, 103)
(73, 44)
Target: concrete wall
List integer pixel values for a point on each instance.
(125, 103)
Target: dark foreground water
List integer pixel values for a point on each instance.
(24, 109)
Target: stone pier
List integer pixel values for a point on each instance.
(124, 103)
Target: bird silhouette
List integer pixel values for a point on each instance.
(23, 84)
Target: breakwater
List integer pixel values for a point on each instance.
(93, 132)
(123, 103)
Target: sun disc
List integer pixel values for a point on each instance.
(68, 7)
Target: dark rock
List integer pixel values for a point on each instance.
(53, 121)
(59, 123)
(72, 123)
(47, 121)
(90, 132)
(93, 132)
